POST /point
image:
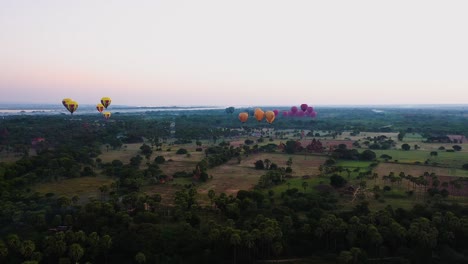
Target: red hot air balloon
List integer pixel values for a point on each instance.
(304, 107)
(294, 109)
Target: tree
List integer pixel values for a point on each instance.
(259, 165)
(75, 252)
(434, 153)
(305, 185)
(140, 258)
(337, 181)
(457, 147)
(211, 195)
(230, 110)
(405, 147)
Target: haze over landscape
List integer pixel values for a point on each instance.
(207, 52)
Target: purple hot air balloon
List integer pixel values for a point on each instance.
(304, 107)
(294, 109)
(310, 109)
(313, 114)
(300, 114)
(276, 112)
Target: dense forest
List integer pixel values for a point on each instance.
(300, 224)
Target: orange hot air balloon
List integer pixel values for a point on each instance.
(270, 116)
(243, 117)
(107, 115)
(106, 101)
(72, 106)
(259, 114)
(100, 108)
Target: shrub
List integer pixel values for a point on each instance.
(181, 151)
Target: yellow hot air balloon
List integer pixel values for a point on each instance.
(65, 101)
(270, 116)
(259, 114)
(107, 115)
(100, 108)
(243, 116)
(106, 101)
(72, 106)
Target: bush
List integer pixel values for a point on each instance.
(198, 149)
(159, 160)
(465, 166)
(337, 181)
(181, 151)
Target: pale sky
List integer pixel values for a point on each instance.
(239, 52)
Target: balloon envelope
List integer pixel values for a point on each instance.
(304, 107)
(313, 114)
(276, 112)
(294, 109)
(107, 115)
(100, 108)
(310, 109)
(106, 101)
(72, 106)
(243, 116)
(285, 113)
(270, 116)
(300, 114)
(259, 114)
(65, 101)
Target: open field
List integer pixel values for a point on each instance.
(84, 187)
(418, 170)
(451, 159)
(232, 177)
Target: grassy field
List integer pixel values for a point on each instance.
(84, 187)
(451, 159)
(418, 170)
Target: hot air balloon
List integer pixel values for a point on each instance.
(313, 114)
(294, 110)
(285, 113)
(310, 109)
(65, 100)
(270, 116)
(276, 112)
(72, 106)
(259, 114)
(107, 115)
(106, 101)
(300, 114)
(304, 107)
(243, 116)
(100, 108)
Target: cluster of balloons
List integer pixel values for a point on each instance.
(259, 114)
(70, 105)
(306, 111)
(105, 102)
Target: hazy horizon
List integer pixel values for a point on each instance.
(222, 53)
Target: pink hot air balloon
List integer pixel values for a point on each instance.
(294, 109)
(276, 112)
(300, 114)
(285, 113)
(304, 107)
(313, 114)
(310, 109)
